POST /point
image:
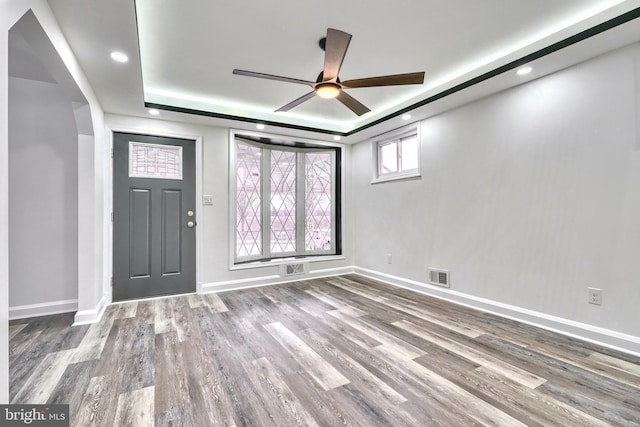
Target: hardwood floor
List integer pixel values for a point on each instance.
(338, 351)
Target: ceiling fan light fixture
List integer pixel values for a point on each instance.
(327, 90)
(328, 84)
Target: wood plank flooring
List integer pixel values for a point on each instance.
(339, 351)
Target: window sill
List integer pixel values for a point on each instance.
(397, 177)
(281, 261)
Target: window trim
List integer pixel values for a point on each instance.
(391, 137)
(301, 146)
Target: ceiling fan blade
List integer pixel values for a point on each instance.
(335, 49)
(393, 80)
(272, 77)
(297, 102)
(352, 103)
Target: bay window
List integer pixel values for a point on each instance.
(286, 199)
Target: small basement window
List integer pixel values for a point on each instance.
(397, 155)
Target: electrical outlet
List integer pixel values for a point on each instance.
(389, 259)
(595, 296)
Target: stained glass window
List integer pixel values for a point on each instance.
(285, 201)
(248, 200)
(318, 201)
(155, 161)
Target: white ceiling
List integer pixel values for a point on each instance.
(182, 53)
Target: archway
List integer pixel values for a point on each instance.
(51, 160)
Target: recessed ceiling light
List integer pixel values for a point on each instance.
(260, 126)
(406, 116)
(154, 112)
(119, 56)
(336, 137)
(524, 70)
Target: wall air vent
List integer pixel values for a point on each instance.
(439, 277)
(292, 269)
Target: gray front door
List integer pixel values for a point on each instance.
(154, 238)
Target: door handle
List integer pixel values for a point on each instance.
(191, 224)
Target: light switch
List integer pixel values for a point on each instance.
(207, 200)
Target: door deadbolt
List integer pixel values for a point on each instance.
(191, 224)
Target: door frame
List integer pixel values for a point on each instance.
(108, 253)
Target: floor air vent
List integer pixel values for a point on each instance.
(292, 269)
(439, 277)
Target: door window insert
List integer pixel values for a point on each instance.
(154, 161)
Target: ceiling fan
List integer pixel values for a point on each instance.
(328, 85)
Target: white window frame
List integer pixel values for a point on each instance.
(395, 136)
(280, 143)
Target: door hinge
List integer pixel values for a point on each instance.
(111, 216)
(112, 153)
(111, 281)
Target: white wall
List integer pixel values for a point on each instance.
(43, 194)
(93, 276)
(213, 221)
(528, 197)
(4, 202)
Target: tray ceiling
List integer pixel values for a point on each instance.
(183, 52)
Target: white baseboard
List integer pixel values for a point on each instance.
(275, 279)
(94, 315)
(605, 337)
(601, 336)
(42, 309)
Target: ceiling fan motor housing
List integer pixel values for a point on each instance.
(322, 43)
(320, 78)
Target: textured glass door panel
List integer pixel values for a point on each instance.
(283, 201)
(155, 161)
(248, 201)
(140, 236)
(318, 202)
